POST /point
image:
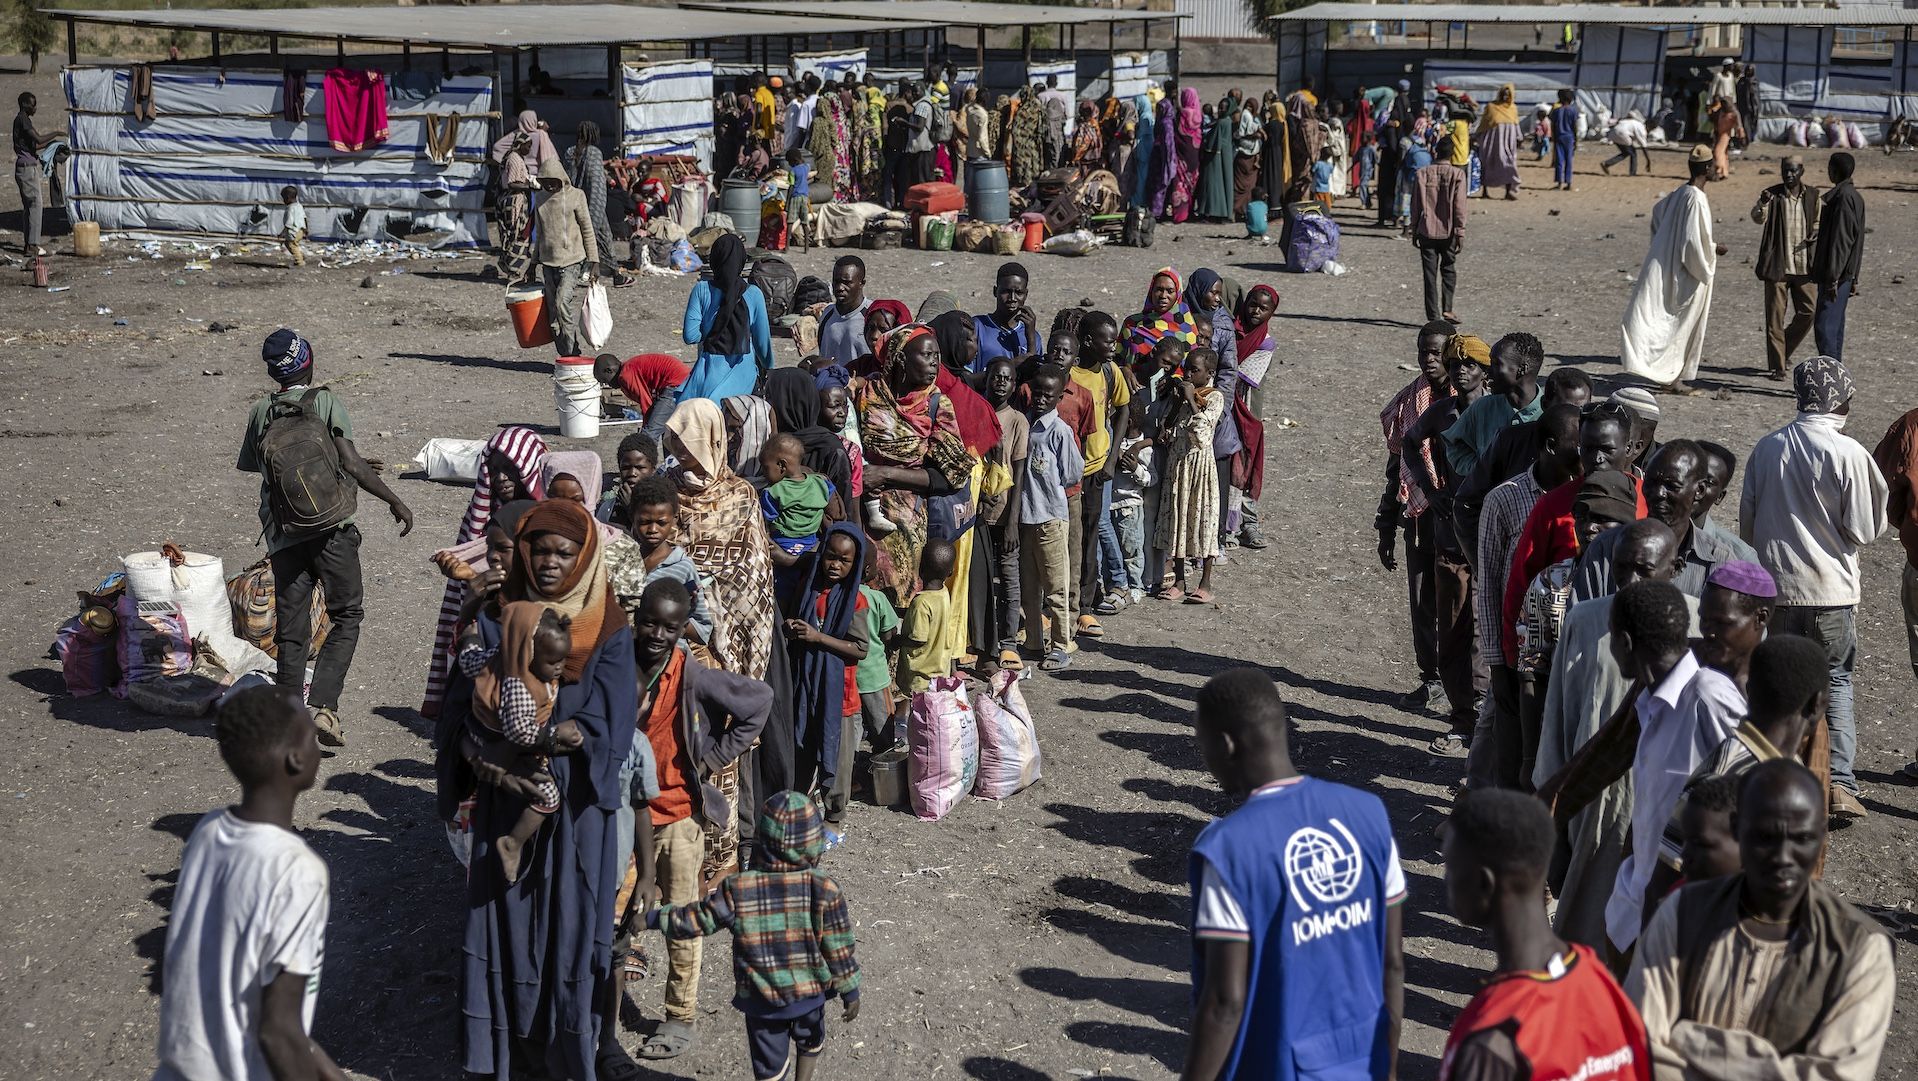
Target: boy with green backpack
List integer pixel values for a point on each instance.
(300, 440)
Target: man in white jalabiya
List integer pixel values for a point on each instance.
(1663, 329)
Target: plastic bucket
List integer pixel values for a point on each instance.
(986, 192)
(576, 397)
(889, 778)
(1035, 236)
(86, 239)
(527, 309)
(739, 200)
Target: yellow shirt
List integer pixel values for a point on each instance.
(1099, 443)
(763, 108)
(932, 645)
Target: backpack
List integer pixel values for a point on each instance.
(778, 282)
(1139, 226)
(811, 290)
(306, 488)
(941, 124)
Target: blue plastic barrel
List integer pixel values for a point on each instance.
(986, 192)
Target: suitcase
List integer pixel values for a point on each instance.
(935, 198)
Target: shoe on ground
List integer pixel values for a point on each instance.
(1056, 660)
(1110, 606)
(1427, 695)
(1090, 627)
(1449, 745)
(328, 722)
(1252, 538)
(1845, 806)
(1009, 660)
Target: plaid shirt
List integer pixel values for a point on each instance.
(792, 934)
(1499, 524)
(1400, 414)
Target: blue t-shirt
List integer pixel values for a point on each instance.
(1322, 176)
(1303, 874)
(1256, 215)
(1016, 341)
(1368, 162)
(802, 180)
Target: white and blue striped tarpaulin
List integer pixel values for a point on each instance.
(1067, 72)
(1797, 78)
(830, 67)
(215, 157)
(667, 108)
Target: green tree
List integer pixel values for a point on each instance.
(32, 31)
(1257, 11)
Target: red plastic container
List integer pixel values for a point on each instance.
(527, 308)
(1035, 236)
(935, 198)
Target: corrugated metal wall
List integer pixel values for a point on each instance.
(1217, 20)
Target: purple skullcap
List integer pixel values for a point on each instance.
(1744, 576)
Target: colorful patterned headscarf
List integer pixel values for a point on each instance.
(1142, 332)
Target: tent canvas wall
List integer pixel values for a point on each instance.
(1131, 73)
(1621, 67)
(830, 67)
(1798, 79)
(667, 108)
(1067, 73)
(218, 151)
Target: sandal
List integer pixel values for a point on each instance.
(638, 966)
(1009, 661)
(1199, 596)
(614, 1064)
(670, 1040)
(1167, 593)
(1090, 628)
(1110, 606)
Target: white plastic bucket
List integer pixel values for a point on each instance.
(576, 396)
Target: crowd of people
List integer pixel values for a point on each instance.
(656, 687)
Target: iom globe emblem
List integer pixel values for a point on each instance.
(1326, 867)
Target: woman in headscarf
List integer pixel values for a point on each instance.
(510, 469)
(583, 466)
(1185, 146)
(1027, 137)
(1213, 197)
(937, 303)
(1088, 142)
(726, 318)
(749, 423)
(794, 398)
(1205, 297)
(1275, 158)
(1140, 182)
(539, 144)
(1497, 144)
(1164, 315)
(1120, 120)
(721, 528)
(913, 450)
(979, 430)
(538, 953)
(586, 169)
(513, 214)
(1255, 347)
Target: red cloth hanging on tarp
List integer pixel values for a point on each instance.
(355, 109)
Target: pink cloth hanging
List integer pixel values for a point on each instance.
(355, 109)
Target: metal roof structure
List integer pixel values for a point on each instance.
(507, 27)
(1855, 15)
(971, 13)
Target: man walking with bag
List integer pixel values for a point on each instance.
(300, 440)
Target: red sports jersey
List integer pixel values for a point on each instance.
(1573, 1026)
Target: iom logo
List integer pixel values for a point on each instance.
(1326, 869)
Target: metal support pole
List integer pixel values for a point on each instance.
(339, 50)
(612, 76)
(406, 56)
(446, 60)
(1025, 47)
(1178, 37)
(1112, 59)
(273, 44)
(73, 45)
(978, 61)
(216, 46)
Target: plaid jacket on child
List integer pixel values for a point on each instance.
(792, 934)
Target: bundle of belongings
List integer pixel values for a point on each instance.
(170, 634)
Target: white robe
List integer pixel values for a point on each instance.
(1663, 330)
(1341, 159)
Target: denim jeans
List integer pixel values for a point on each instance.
(1835, 629)
(1828, 322)
(664, 403)
(1129, 524)
(1111, 556)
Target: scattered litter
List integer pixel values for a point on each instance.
(1897, 279)
(58, 288)
(211, 371)
(217, 327)
(103, 310)
(119, 322)
(940, 263)
(392, 272)
(1288, 422)
(1408, 367)
(198, 266)
(1332, 267)
(1553, 212)
(179, 281)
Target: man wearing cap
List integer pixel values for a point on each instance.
(1671, 486)
(328, 557)
(1787, 217)
(1836, 257)
(1663, 331)
(1812, 497)
(1897, 458)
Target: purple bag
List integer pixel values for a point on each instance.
(1314, 242)
(89, 660)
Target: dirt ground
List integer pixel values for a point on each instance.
(1042, 937)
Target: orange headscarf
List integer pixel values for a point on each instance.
(583, 596)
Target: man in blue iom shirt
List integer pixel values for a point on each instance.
(1296, 921)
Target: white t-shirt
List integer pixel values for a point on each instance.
(251, 904)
